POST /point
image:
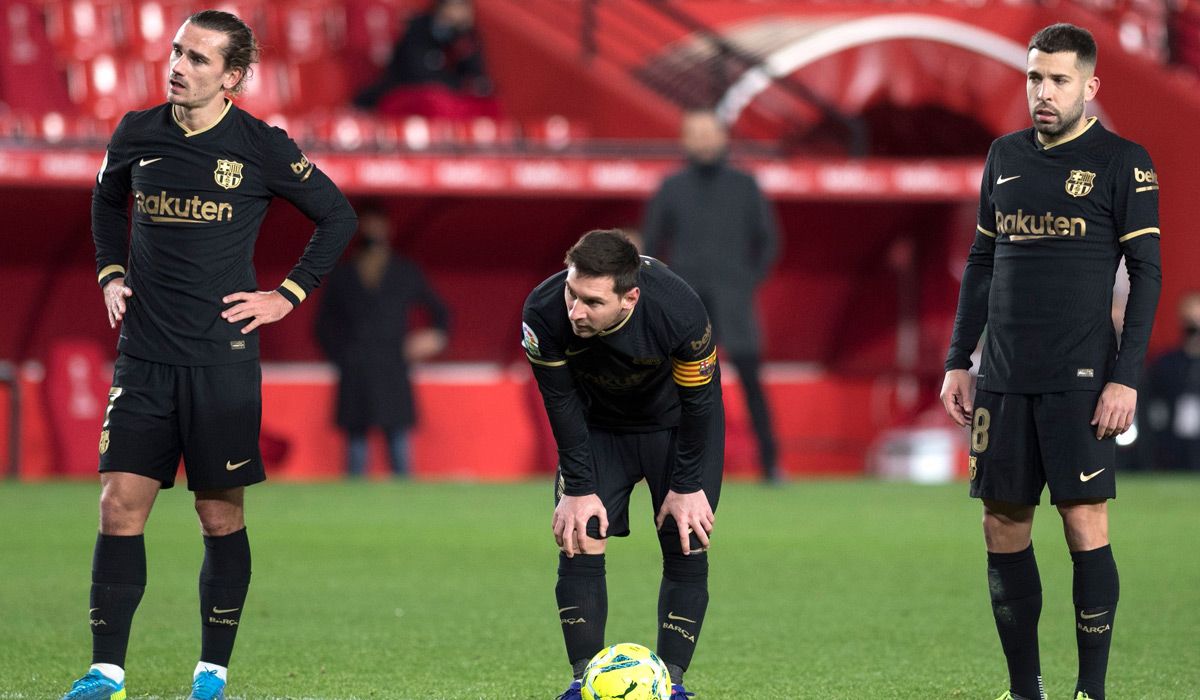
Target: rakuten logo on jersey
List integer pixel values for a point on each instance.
(165, 208)
(1022, 226)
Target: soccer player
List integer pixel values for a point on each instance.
(181, 283)
(1059, 205)
(623, 353)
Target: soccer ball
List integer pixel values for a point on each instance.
(626, 671)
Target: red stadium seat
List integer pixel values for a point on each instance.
(305, 30)
(272, 88)
(17, 125)
(84, 29)
(29, 77)
(106, 87)
(556, 132)
(154, 25)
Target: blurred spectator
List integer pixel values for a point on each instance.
(363, 327)
(715, 228)
(436, 69)
(1172, 406)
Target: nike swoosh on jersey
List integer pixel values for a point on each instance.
(1001, 179)
(230, 466)
(147, 161)
(1085, 616)
(1088, 477)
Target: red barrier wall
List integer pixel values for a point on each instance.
(486, 423)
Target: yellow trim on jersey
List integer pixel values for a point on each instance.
(308, 174)
(1139, 232)
(108, 270)
(620, 325)
(295, 289)
(984, 231)
(688, 373)
(188, 133)
(1090, 123)
(545, 363)
(1147, 188)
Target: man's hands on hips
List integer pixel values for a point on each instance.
(957, 396)
(115, 294)
(1115, 410)
(571, 516)
(692, 513)
(260, 307)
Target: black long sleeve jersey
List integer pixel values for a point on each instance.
(1053, 225)
(199, 198)
(655, 370)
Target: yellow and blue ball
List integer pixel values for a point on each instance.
(626, 672)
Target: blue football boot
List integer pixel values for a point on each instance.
(207, 686)
(678, 693)
(575, 692)
(96, 686)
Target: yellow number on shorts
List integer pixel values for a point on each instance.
(113, 394)
(979, 428)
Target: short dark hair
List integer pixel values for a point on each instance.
(606, 253)
(241, 51)
(1066, 37)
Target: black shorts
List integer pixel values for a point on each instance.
(210, 416)
(621, 460)
(1022, 442)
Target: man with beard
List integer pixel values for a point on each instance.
(1059, 205)
(715, 228)
(176, 270)
(623, 355)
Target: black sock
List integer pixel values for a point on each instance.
(1016, 591)
(118, 581)
(1096, 590)
(224, 580)
(682, 601)
(582, 594)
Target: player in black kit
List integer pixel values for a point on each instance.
(623, 353)
(1059, 205)
(200, 173)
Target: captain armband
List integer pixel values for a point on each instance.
(691, 374)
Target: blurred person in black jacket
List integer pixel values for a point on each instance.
(713, 226)
(436, 68)
(363, 325)
(1172, 408)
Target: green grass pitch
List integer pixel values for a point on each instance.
(850, 589)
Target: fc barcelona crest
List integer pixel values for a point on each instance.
(229, 174)
(1080, 183)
